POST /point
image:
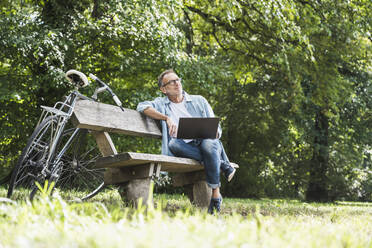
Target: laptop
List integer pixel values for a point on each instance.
(198, 128)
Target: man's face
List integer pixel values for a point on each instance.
(171, 85)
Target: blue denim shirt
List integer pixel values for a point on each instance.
(197, 106)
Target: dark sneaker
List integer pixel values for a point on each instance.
(231, 175)
(215, 205)
(228, 169)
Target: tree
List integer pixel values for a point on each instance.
(296, 50)
(289, 79)
(125, 44)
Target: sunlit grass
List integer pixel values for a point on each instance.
(105, 221)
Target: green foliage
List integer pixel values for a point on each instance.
(46, 189)
(124, 44)
(291, 65)
(272, 70)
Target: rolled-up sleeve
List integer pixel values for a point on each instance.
(157, 103)
(144, 105)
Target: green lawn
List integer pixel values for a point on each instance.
(106, 222)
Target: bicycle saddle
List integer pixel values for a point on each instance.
(77, 78)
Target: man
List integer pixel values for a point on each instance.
(169, 109)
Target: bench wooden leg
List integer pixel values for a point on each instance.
(134, 182)
(201, 194)
(196, 187)
(135, 190)
(189, 191)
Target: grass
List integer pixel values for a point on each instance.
(105, 221)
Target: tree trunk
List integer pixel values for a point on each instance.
(317, 189)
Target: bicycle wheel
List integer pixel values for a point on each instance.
(34, 156)
(77, 170)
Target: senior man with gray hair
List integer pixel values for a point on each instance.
(210, 152)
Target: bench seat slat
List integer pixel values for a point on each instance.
(168, 163)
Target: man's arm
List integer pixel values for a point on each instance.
(154, 114)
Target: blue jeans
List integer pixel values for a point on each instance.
(210, 152)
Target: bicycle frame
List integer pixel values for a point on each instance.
(47, 151)
(63, 111)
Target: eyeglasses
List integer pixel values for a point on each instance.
(172, 82)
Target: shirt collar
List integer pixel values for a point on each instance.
(187, 98)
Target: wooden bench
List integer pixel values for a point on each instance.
(133, 171)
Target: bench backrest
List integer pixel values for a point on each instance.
(109, 118)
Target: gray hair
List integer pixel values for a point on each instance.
(161, 76)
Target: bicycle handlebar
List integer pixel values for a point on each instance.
(105, 87)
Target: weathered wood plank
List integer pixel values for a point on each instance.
(181, 179)
(109, 118)
(107, 148)
(115, 176)
(104, 143)
(157, 170)
(168, 163)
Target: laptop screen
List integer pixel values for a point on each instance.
(198, 128)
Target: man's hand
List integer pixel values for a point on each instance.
(172, 127)
(153, 113)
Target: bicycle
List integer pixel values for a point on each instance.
(58, 152)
